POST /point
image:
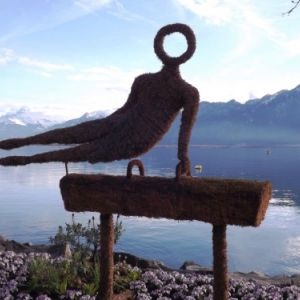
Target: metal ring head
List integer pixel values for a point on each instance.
(169, 29)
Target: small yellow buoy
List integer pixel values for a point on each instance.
(198, 168)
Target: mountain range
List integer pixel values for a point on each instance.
(273, 120)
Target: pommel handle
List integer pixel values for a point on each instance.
(131, 164)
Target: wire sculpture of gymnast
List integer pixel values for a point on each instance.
(152, 105)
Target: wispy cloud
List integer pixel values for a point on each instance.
(107, 76)
(41, 64)
(90, 6)
(9, 56)
(233, 18)
(224, 12)
(213, 11)
(112, 83)
(6, 56)
(249, 20)
(119, 11)
(249, 26)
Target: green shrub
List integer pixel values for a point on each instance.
(84, 241)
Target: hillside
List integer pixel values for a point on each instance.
(273, 120)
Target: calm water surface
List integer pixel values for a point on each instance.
(31, 208)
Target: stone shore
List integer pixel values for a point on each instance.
(149, 264)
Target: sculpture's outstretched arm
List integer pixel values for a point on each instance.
(74, 154)
(188, 118)
(77, 134)
(54, 156)
(99, 140)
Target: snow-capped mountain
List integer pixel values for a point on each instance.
(25, 116)
(84, 118)
(25, 122)
(272, 120)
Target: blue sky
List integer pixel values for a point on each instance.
(68, 57)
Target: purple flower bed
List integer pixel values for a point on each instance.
(157, 285)
(13, 271)
(160, 285)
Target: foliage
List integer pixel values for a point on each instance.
(45, 277)
(37, 276)
(84, 241)
(124, 274)
(55, 277)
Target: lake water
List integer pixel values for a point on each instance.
(31, 208)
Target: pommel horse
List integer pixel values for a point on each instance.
(217, 201)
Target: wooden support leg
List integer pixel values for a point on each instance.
(220, 263)
(106, 260)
